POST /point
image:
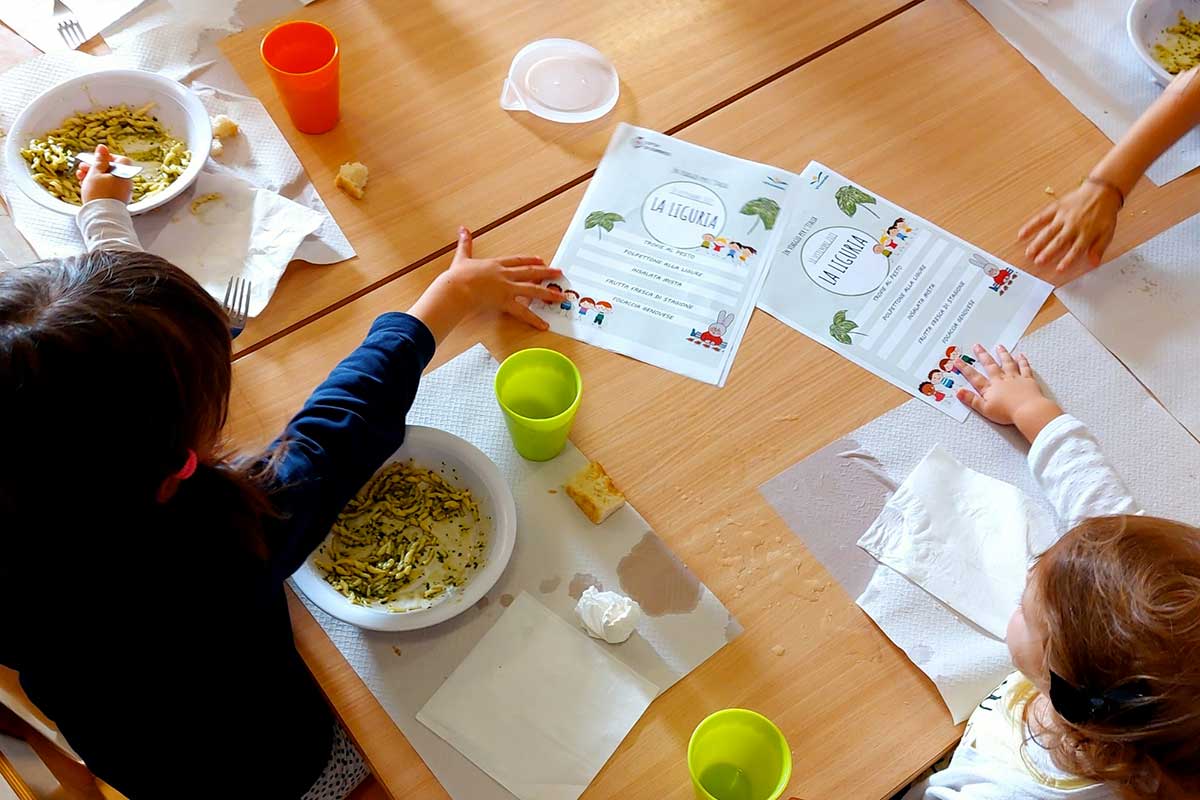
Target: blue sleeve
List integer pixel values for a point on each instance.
(348, 427)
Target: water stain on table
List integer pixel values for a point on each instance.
(659, 582)
(581, 582)
(483, 603)
(549, 584)
(506, 600)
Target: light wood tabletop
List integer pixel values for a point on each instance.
(931, 109)
(420, 92)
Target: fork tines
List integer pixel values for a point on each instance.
(72, 32)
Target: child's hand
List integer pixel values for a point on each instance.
(97, 184)
(472, 284)
(1008, 392)
(1080, 224)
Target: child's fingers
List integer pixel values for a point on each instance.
(103, 158)
(539, 292)
(1023, 366)
(521, 261)
(970, 400)
(1055, 249)
(977, 379)
(1048, 232)
(522, 312)
(121, 160)
(1036, 223)
(81, 172)
(465, 243)
(1072, 255)
(532, 274)
(985, 358)
(1006, 359)
(1096, 252)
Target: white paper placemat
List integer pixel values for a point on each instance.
(834, 495)
(1082, 48)
(558, 554)
(538, 705)
(1145, 308)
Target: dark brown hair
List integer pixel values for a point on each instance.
(1119, 598)
(112, 366)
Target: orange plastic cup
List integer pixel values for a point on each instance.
(304, 62)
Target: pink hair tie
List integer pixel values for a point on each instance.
(189, 466)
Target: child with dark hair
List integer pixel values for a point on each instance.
(1105, 704)
(121, 510)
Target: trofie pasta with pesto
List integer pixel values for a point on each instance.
(406, 541)
(133, 133)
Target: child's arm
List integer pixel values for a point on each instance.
(355, 420)
(1064, 457)
(103, 219)
(1082, 223)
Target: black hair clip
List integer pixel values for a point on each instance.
(1081, 705)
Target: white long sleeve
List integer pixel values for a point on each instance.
(1077, 478)
(106, 225)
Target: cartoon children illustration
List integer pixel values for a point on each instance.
(882, 251)
(585, 305)
(734, 249)
(707, 240)
(949, 365)
(899, 230)
(1001, 278)
(747, 251)
(887, 241)
(602, 307)
(556, 288)
(954, 354)
(569, 297)
(928, 390)
(719, 243)
(714, 336)
(939, 378)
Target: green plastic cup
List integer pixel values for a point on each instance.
(737, 754)
(539, 391)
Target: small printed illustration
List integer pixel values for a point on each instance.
(602, 220)
(1002, 277)
(893, 239)
(841, 328)
(734, 252)
(940, 379)
(603, 309)
(954, 356)
(775, 183)
(570, 297)
(850, 199)
(764, 210)
(719, 244)
(929, 390)
(586, 304)
(818, 180)
(714, 337)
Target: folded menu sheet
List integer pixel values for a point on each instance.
(891, 291)
(537, 704)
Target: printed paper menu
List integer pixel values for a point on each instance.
(667, 252)
(891, 291)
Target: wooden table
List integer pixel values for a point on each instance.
(420, 88)
(967, 134)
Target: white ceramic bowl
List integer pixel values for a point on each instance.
(176, 106)
(430, 447)
(1145, 23)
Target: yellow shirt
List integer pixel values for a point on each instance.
(997, 730)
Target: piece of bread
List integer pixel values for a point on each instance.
(593, 491)
(217, 148)
(223, 127)
(352, 179)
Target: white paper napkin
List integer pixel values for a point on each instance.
(246, 231)
(537, 704)
(1082, 48)
(34, 20)
(964, 662)
(961, 536)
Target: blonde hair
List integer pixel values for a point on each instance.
(1119, 598)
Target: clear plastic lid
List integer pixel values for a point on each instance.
(561, 80)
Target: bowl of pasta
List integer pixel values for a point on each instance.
(158, 123)
(424, 539)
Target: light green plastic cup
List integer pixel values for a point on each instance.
(737, 754)
(539, 391)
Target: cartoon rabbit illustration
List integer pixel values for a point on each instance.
(713, 337)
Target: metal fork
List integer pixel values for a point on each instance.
(68, 25)
(237, 304)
